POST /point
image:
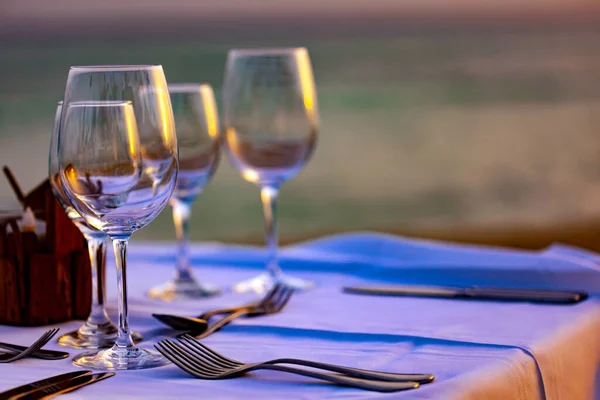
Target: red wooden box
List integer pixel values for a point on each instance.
(45, 277)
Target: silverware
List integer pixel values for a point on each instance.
(198, 349)
(41, 354)
(65, 386)
(473, 292)
(20, 391)
(229, 310)
(38, 344)
(204, 367)
(182, 323)
(273, 302)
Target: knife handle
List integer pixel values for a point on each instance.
(69, 385)
(27, 389)
(532, 295)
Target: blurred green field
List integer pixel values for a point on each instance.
(417, 131)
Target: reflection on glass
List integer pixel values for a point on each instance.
(118, 166)
(196, 122)
(98, 331)
(270, 130)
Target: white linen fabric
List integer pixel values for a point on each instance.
(476, 349)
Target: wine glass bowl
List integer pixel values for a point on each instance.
(117, 157)
(101, 163)
(270, 117)
(196, 122)
(98, 331)
(197, 127)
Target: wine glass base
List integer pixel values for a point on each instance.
(101, 338)
(120, 359)
(183, 290)
(265, 282)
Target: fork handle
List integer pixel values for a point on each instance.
(356, 372)
(378, 386)
(222, 322)
(226, 310)
(40, 354)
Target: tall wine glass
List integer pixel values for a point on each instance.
(270, 131)
(197, 127)
(98, 331)
(118, 166)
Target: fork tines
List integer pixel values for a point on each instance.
(276, 299)
(37, 345)
(200, 365)
(198, 348)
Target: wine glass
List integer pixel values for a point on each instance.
(98, 331)
(270, 119)
(196, 122)
(118, 166)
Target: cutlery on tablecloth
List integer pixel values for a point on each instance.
(65, 386)
(473, 292)
(182, 323)
(200, 350)
(207, 366)
(23, 390)
(227, 310)
(36, 346)
(272, 303)
(41, 354)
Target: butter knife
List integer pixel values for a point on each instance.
(18, 392)
(65, 386)
(473, 292)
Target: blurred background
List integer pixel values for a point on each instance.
(465, 120)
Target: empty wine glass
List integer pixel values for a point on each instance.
(270, 130)
(196, 122)
(98, 331)
(118, 166)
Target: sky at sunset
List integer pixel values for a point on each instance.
(60, 9)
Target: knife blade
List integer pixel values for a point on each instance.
(473, 292)
(42, 354)
(22, 390)
(65, 386)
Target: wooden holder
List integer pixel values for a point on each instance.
(44, 279)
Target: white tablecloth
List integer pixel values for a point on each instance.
(476, 349)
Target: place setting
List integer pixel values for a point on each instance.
(126, 145)
(116, 161)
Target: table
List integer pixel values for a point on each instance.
(476, 349)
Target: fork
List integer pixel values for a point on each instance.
(198, 324)
(199, 350)
(41, 354)
(228, 310)
(274, 302)
(37, 345)
(206, 368)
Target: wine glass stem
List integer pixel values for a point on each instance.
(181, 219)
(268, 195)
(123, 335)
(97, 252)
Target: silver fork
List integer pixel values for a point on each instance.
(37, 345)
(272, 304)
(198, 349)
(198, 325)
(205, 368)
